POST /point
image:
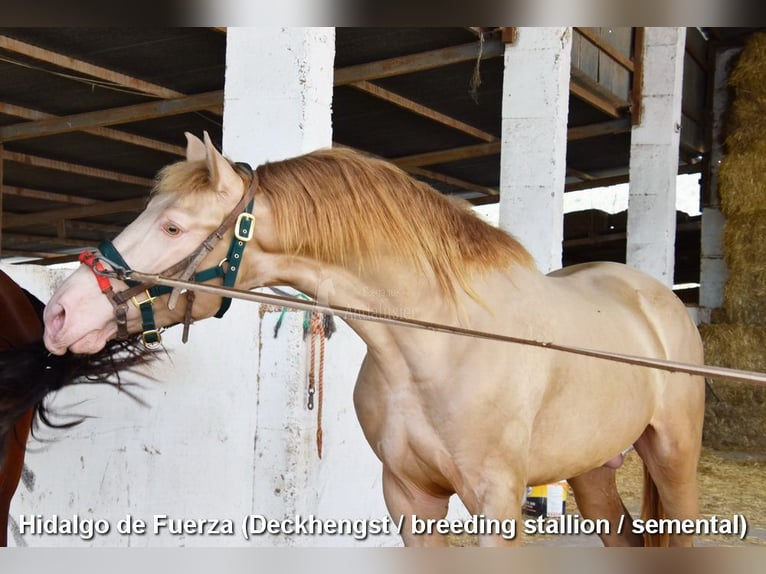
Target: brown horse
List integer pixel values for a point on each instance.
(28, 373)
(444, 414)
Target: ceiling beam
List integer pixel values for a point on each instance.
(13, 191)
(596, 95)
(36, 240)
(606, 47)
(108, 133)
(137, 112)
(415, 107)
(448, 155)
(75, 65)
(15, 221)
(467, 185)
(85, 170)
(610, 127)
(419, 62)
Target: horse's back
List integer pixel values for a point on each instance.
(645, 306)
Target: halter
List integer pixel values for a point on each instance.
(240, 217)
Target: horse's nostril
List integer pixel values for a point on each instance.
(57, 320)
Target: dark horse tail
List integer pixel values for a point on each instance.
(28, 373)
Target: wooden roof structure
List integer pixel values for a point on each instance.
(88, 116)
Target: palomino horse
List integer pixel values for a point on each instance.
(444, 414)
(28, 373)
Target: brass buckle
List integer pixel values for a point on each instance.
(151, 338)
(148, 299)
(238, 227)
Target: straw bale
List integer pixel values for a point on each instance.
(744, 241)
(735, 413)
(750, 70)
(742, 183)
(744, 296)
(747, 121)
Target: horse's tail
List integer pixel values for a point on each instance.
(652, 509)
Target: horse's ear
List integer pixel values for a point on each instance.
(222, 174)
(195, 149)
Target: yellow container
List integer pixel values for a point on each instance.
(547, 500)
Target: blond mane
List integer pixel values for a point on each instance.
(341, 207)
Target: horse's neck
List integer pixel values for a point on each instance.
(383, 290)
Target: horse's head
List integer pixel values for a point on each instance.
(191, 200)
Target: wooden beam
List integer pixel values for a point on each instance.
(590, 91)
(422, 110)
(73, 64)
(610, 127)
(636, 108)
(137, 112)
(606, 48)
(73, 227)
(46, 163)
(447, 155)
(36, 240)
(38, 257)
(418, 62)
(623, 178)
(13, 191)
(108, 133)
(15, 221)
(622, 235)
(579, 174)
(467, 185)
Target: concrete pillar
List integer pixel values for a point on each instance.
(654, 156)
(534, 141)
(713, 271)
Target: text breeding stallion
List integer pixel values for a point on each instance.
(444, 414)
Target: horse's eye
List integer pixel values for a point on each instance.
(171, 229)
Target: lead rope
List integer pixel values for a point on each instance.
(316, 383)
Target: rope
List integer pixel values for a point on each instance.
(316, 382)
(751, 377)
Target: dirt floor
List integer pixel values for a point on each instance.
(729, 483)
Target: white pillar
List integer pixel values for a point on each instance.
(654, 156)
(534, 141)
(713, 271)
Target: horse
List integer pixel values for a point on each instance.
(29, 373)
(444, 414)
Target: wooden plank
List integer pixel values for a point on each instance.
(467, 185)
(14, 191)
(107, 133)
(73, 64)
(418, 62)
(422, 110)
(610, 127)
(589, 91)
(606, 47)
(36, 240)
(448, 155)
(611, 75)
(137, 112)
(57, 165)
(42, 257)
(74, 227)
(16, 221)
(622, 178)
(636, 107)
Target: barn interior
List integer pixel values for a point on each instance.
(89, 115)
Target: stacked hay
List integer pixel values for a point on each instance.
(736, 416)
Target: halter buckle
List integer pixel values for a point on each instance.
(149, 299)
(151, 338)
(244, 226)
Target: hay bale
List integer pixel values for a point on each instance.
(747, 121)
(744, 297)
(750, 70)
(735, 413)
(744, 241)
(742, 184)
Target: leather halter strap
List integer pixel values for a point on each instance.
(240, 216)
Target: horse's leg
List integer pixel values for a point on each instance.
(597, 497)
(10, 473)
(670, 453)
(404, 499)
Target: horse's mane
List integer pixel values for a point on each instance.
(344, 208)
(341, 207)
(29, 373)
